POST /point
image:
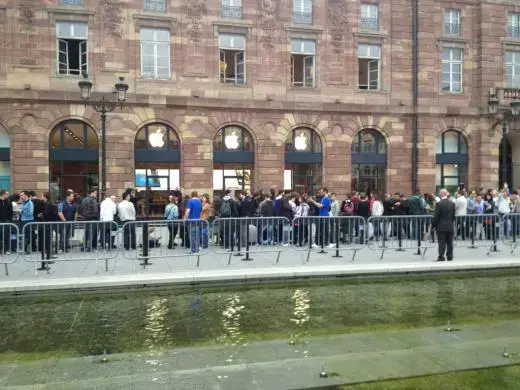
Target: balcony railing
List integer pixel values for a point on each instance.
(228, 11)
(370, 24)
(452, 28)
(302, 17)
(155, 5)
(513, 31)
(510, 94)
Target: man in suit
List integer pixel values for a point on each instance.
(443, 222)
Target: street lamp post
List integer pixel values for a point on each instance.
(505, 116)
(104, 106)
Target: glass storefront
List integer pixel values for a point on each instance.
(369, 162)
(303, 161)
(73, 159)
(452, 161)
(157, 168)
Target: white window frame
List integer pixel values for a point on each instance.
(62, 41)
(155, 43)
(367, 11)
(452, 62)
(513, 25)
(230, 4)
(308, 56)
(512, 68)
(237, 43)
(373, 53)
(452, 16)
(302, 7)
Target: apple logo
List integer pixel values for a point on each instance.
(231, 141)
(300, 142)
(156, 139)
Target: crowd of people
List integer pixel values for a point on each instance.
(27, 207)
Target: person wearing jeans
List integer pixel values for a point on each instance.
(126, 211)
(192, 216)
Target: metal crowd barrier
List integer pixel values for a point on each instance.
(315, 233)
(145, 240)
(401, 232)
(47, 242)
(511, 231)
(9, 250)
(476, 231)
(232, 236)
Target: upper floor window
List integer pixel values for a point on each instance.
(72, 48)
(232, 63)
(155, 53)
(512, 63)
(302, 12)
(513, 25)
(452, 60)
(369, 62)
(155, 5)
(452, 22)
(72, 2)
(303, 59)
(231, 9)
(369, 17)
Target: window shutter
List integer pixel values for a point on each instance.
(240, 67)
(83, 57)
(63, 56)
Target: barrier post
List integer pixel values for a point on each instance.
(419, 232)
(400, 235)
(336, 237)
(146, 238)
(247, 258)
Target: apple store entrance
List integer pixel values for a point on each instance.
(303, 161)
(233, 162)
(157, 168)
(369, 161)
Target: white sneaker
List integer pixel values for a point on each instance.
(7, 253)
(315, 246)
(332, 245)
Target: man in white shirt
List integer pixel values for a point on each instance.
(461, 211)
(126, 211)
(108, 210)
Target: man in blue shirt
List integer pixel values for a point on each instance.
(67, 212)
(192, 215)
(27, 216)
(323, 221)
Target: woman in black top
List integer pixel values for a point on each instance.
(49, 216)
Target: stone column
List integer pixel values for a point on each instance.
(197, 157)
(269, 159)
(120, 155)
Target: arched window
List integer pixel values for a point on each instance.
(5, 164)
(451, 160)
(233, 161)
(303, 161)
(74, 153)
(157, 167)
(368, 161)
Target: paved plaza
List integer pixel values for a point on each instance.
(177, 266)
(351, 358)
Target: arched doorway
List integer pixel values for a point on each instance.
(303, 161)
(451, 161)
(509, 166)
(74, 158)
(233, 161)
(369, 161)
(5, 160)
(157, 168)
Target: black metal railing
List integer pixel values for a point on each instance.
(370, 24)
(231, 12)
(452, 28)
(72, 2)
(513, 31)
(302, 17)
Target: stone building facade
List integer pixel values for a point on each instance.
(339, 71)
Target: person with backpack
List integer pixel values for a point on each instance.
(417, 207)
(348, 209)
(228, 209)
(90, 213)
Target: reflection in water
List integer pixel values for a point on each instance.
(155, 324)
(230, 320)
(301, 314)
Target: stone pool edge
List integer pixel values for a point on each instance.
(349, 270)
